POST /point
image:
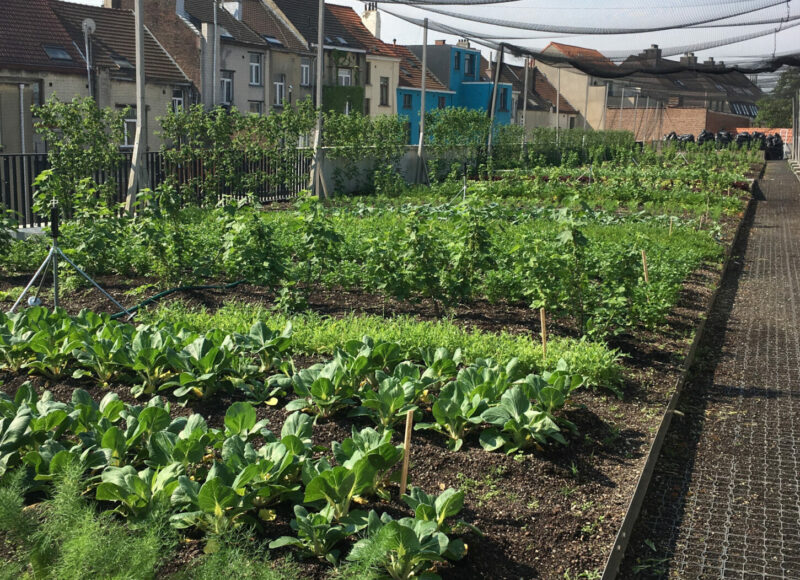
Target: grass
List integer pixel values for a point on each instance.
(315, 334)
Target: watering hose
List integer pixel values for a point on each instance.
(160, 295)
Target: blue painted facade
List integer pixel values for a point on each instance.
(408, 101)
(462, 77)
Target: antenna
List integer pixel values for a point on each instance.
(89, 26)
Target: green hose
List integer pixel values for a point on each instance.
(160, 295)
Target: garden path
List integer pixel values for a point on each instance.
(724, 501)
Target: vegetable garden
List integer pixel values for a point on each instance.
(257, 429)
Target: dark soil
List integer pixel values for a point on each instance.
(542, 514)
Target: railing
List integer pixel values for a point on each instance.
(18, 171)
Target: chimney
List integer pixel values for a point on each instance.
(689, 59)
(112, 4)
(652, 53)
(371, 19)
(441, 42)
(463, 43)
(234, 7)
(710, 61)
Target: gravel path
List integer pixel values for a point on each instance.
(725, 498)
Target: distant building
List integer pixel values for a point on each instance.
(458, 67)
(42, 48)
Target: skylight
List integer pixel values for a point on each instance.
(272, 40)
(57, 52)
(341, 40)
(122, 62)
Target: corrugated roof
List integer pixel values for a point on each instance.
(114, 41)
(411, 71)
(203, 11)
(303, 15)
(264, 22)
(26, 27)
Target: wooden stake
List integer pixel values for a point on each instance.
(670, 225)
(644, 265)
(406, 451)
(543, 319)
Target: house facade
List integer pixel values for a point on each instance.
(409, 92)
(458, 67)
(43, 48)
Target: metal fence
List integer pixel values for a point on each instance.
(18, 171)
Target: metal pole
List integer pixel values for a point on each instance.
(525, 106)
(423, 94)
(621, 108)
(318, 190)
(88, 62)
(498, 67)
(22, 117)
(646, 124)
(138, 174)
(558, 104)
(605, 106)
(635, 112)
(214, 58)
(586, 103)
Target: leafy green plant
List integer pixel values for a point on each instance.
(456, 412)
(521, 425)
(316, 535)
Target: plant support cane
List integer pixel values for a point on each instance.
(406, 452)
(644, 265)
(543, 319)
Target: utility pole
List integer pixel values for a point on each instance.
(137, 178)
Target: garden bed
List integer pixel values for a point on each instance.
(542, 514)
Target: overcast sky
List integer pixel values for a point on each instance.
(605, 14)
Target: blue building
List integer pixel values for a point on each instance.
(458, 68)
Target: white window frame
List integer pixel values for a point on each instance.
(280, 90)
(178, 100)
(226, 87)
(305, 72)
(344, 77)
(256, 79)
(384, 83)
(128, 127)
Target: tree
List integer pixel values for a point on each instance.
(775, 109)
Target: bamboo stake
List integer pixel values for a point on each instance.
(644, 265)
(543, 319)
(406, 451)
(671, 219)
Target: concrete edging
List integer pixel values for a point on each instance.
(617, 554)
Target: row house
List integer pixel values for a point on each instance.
(50, 48)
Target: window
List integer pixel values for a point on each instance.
(305, 72)
(280, 90)
(457, 61)
(503, 100)
(226, 87)
(129, 127)
(384, 91)
(469, 60)
(367, 107)
(255, 69)
(442, 102)
(367, 75)
(57, 52)
(256, 107)
(406, 101)
(177, 100)
(345, 76)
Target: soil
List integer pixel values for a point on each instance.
(542, 514)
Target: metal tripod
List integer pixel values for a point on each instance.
(52, 258)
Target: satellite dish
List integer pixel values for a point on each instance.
(89, 26)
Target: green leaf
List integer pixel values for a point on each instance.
(240, 418)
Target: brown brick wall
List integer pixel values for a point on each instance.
(653, 124)
(175, 36)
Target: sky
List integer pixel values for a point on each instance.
(605, 14)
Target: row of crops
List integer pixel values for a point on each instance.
(604, 250)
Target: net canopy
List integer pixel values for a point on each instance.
(682, 27)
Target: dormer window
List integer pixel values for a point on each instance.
(57, 52)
